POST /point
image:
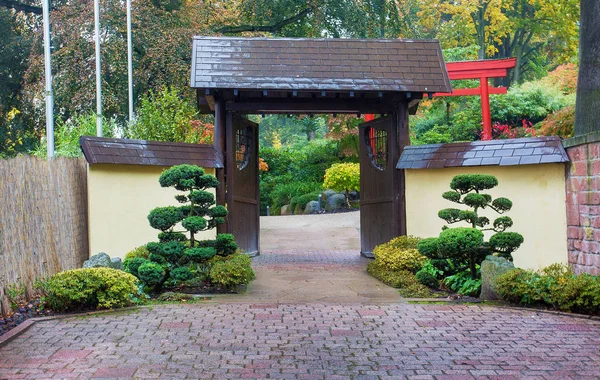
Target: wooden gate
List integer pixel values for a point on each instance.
(242, 193)
(380, 184)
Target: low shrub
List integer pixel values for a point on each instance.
(232, 271)
(140, 251)
(463, 283)
(556, 286)
(85, 288)
(299, 202)
(400, 253)
(403, 280)
(427, 279)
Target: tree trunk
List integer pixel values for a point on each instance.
(587, 108)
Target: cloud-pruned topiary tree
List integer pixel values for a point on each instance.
(176, 257)
(466, 244)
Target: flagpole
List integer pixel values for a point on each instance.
(48, 77)
(98, 68)
(129, 61)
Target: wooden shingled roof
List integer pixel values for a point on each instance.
(318, 64)
(524, 151)
(100, 150)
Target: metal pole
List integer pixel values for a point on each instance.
(98, 78)
(129, 61)
(48, 75)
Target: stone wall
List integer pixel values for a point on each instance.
(583, 203)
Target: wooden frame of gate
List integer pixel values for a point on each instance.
(239, 76)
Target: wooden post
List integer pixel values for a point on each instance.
(403, 140)
(485, 109)
(219, 144)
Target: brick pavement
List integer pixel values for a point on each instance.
(309, 341)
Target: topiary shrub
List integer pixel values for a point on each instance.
(400, 253)
(233, 271)
(85, 288)
(466, 244)
(343, 177)
(178, 257)
(427, 279)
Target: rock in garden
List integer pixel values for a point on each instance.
(491, 268)
(285, 210)
(100, 260)
(353, 195)
(172, 296)
(335, 202)
(328, 193)
(312, 207)
(116, 263)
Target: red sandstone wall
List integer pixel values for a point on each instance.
(583, 208)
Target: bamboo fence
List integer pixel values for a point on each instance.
(43, 220)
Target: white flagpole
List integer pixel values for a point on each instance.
(129, 61)
(48, 77)
(98, 77)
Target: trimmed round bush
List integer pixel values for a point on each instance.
(140, 251)
(85, 288)
(164, 218)
(400, 253)
(194, 223)
(151, 273)
(459, 241)
(225, 245)
(427, 279)
(181, 274)
(132, 265)
(200, 254)
(463, 183)
(232, 271)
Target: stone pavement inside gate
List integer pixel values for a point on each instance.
(312, 313)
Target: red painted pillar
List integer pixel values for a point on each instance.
(485, 109)
(371, 117)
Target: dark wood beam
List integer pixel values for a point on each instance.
(291, 106)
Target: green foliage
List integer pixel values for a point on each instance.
(464, 244)
(400, 253)
(560, 123)
(132, 264)
(140, 251)
(301, 200)
(151, 273)
(163, 116)
(464, 283)
(556, 286)
(102, 288)
(181, 274)
(234, 270)
(343, 177)
(426, 278)
(225, 245)
(403, 280)
(67, 134)
(164, 218)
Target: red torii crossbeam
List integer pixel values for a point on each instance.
(482, 70)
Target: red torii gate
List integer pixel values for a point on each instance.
(482, 70)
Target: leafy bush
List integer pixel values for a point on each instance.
(140, 251)
(284, 193)
(467, 244)
(427, 279)
(301, 200)
(403, 280)
(234, 270)
(560, 123)
(343, 177)
(151, 273)
(400, 253)
(556, 286)
(102, 288)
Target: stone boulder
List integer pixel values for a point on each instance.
(102, 260)
(327, 193)
(312, 207)
(285, 210)
(353, 195)
(335, 202)
(491, 268)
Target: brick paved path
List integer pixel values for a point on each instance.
(309, 341)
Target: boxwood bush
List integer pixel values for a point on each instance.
(86, 288)
(400, 253)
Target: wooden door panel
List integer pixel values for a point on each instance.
(242, 192)
(379, 183)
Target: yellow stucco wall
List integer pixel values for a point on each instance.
(119, 200)
(538, 213)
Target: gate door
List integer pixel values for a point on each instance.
(242, 194)
(380, 214)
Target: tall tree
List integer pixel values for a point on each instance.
(587, 113)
